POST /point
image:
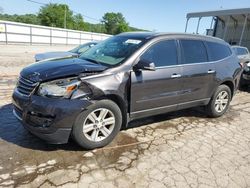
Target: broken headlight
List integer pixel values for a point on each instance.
(62, 88)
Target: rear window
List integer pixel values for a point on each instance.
(193, 51)
(241, 51)
(218, 51)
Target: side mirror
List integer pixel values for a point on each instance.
(145, 65)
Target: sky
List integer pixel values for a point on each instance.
(153, 15)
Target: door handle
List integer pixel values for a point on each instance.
(175, 76)
(211, 71)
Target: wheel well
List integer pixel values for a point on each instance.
(230, 85)
(121, 104)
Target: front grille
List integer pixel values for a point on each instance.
(25, 86)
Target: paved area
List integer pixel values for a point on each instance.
(14, 57)
(180, 149)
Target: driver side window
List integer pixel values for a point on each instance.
(163, 53)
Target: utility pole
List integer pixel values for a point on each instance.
(1, 10)
(65, 17)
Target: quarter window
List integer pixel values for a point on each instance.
(163, 53)
(218, 51)
(193, 51)
(242, 51)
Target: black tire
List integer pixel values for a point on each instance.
(211, 109)
(77, 131)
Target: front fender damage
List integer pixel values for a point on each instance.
(113, 86)
(106, 84)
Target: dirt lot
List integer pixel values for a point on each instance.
(181, 149)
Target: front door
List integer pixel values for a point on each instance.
(153, 92)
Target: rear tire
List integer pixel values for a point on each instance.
(98, 125)
(220, 101)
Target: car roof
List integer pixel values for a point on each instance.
(239, 47)
(151, 35)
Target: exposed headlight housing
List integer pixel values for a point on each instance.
(248, 64)
(62, 88)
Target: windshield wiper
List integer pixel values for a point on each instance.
(92, 60)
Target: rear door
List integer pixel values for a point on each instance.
(155, 91)
(198, 74)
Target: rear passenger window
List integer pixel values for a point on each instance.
(218, 51)
(242, 51)
(163, 53)
(193, 51)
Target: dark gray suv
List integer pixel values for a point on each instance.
(128, 76)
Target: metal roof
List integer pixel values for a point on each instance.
(228, 12)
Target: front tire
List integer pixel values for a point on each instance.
(98, 125)
(220, 101)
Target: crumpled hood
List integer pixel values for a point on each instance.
(50, 55)
(59, 68)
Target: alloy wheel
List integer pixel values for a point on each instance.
(99, 124)
(221, 101)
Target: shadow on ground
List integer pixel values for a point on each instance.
(245, 89)
(12, 131)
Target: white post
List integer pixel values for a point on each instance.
(30, 35)
(6, 34)
(243, 30)
(50, 37)
(198, 25)
(67, 35)
(80, 38)
(226, 27)
(212, 23)
(186, 25)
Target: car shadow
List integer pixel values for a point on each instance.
(187, 113)
(12, 131)
(245, 89)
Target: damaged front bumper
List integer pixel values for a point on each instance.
(49, 119)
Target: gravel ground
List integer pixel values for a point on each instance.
(180, 149)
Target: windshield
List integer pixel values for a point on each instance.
(82, 48)
(75, 50)
(241, 51)
(113, 51)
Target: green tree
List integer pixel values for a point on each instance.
(28, 18)
(123, 27)
(115, 23)
(78, 22)
(53, 15)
